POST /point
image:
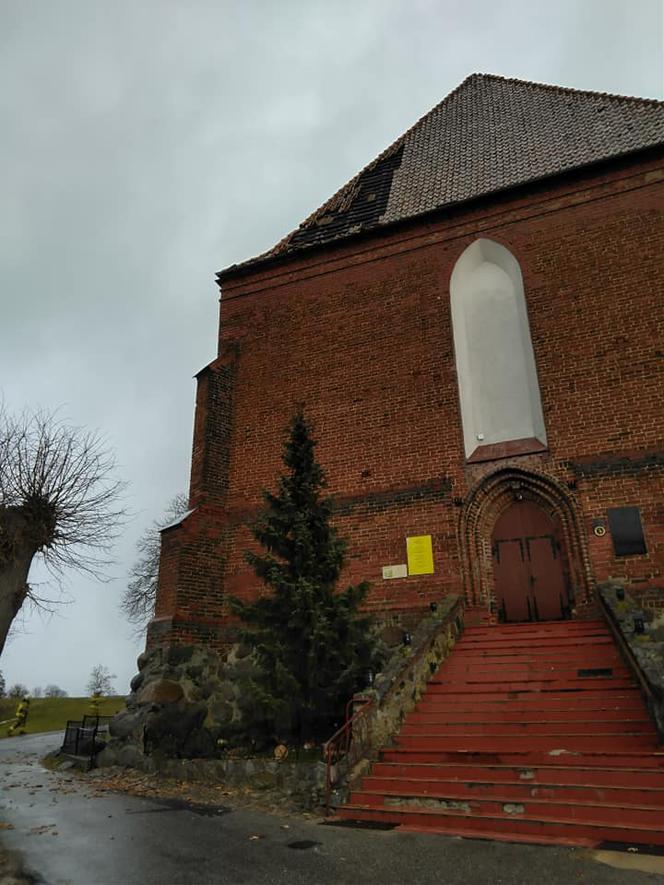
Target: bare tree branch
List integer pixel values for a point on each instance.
(59, 499)
(139, 598)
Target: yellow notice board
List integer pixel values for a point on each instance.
(420, 555)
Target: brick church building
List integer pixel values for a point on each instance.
(475, 326)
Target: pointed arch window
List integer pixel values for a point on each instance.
(499, 393)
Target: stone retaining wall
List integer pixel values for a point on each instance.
(401, 684)
(395, 692)
(302, 783)
(647, 648)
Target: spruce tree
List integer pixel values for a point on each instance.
(311, 644)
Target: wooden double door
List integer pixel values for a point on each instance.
(529, 565)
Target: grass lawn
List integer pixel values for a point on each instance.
(51, 714)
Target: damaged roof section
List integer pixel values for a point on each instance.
(360, 205)
(488, 135)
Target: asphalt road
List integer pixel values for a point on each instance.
(66, 834)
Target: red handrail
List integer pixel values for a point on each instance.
(341, 746)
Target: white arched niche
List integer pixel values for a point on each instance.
(498, 389)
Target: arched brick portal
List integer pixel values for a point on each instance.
(488, 500)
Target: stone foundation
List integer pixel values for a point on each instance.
(646, 648)
(300, 782)
(185, 702)
(190, 717)
(191, 702)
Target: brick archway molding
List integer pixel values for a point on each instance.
(488, 499)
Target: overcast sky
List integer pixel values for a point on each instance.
(145, 145)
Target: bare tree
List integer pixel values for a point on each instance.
(58, 499)
(139, 598)
(3, 685)
(100, 681)
(54, 691)
(36, 692)
(18, 691)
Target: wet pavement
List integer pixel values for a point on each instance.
(69, 835)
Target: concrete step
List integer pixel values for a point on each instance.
(453, 716)
(564, 702)
(459, 687)
(503, 826)
(523, 632)
(510, 675)
(542, 808)
(434, 726)
(544, 662)
(511, 791)
(491, 743)
(529, 758)
(540, 644)
(650, 778)
(529, 659)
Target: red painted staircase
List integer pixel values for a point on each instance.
(528, 732)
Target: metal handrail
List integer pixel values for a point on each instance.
(343, 745)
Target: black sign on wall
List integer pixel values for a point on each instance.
(626, 531)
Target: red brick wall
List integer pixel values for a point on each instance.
(361, 334)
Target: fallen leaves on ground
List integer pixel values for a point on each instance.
(42, 830)
(155, 786)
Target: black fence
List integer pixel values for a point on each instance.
(85, 738)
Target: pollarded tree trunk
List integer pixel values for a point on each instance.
(17, 550)
(57, 499)
(13, 591)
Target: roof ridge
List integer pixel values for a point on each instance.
(552, 87)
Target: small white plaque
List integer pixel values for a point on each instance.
(395, 571)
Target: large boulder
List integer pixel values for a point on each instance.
(127, 723)
(162, 691)
(167, 728)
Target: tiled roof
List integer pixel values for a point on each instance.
(489, 134)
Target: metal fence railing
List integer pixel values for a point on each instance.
(347, 745)
(85, 737)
